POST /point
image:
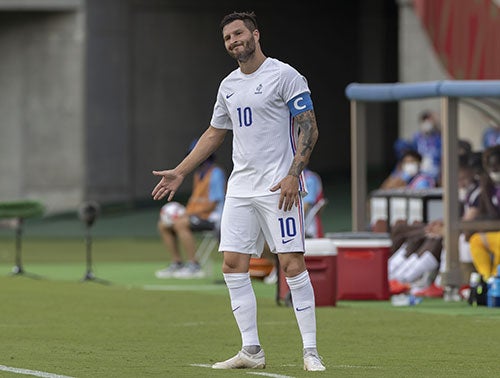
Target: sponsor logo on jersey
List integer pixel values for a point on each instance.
(229, 95)
(258, 90)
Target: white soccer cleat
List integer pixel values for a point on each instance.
(243, 360)
(189, 270)
(312, 362)
(169, 271)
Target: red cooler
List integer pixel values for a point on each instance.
(321, 262)
(362, 265)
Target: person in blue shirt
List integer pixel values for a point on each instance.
(409, 174)
(427, 142)
(491, 136)
(203, 212)
(314, 195)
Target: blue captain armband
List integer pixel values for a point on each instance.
(300, 103)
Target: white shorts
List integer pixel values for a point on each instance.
(247, 222)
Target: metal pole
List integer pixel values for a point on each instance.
(358, 165)
(449, 109)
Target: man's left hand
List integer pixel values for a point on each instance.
(289, 192)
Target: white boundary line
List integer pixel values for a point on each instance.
(269, 375)
(272, 375)
(36, 373)
(183, 287)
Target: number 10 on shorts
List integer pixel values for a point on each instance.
(287, 227)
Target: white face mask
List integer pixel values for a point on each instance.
(462, 194)
(426, 126)
(410, 169)
(495, 177)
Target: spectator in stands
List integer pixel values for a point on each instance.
(203, 212)
(491, 135)
(427, 142)
(485, 246)
(409, 175)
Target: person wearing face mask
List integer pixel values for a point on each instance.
(408, 174)
(485, 246)
(491, 135)
(427, 142)
(419, 256)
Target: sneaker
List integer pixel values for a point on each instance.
(243, 360)
(312, 362)
(432, 291)
(169, 271)
(396, 287)
(190, 270)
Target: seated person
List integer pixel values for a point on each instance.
(314, 195)
(485, 246)
(409, 175)
(203, 212)
(418, 249)
(427, 142)
(491, 135)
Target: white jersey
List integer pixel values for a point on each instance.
(255, 108)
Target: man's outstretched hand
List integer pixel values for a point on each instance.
(168, 185)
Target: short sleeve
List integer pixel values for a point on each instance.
(220, 116)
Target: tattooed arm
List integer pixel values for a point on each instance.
(308, 135)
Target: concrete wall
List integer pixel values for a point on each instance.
(419, 62)
(94, 95)
(41, 76)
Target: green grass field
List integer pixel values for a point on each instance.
(139, 326)
(57, 325)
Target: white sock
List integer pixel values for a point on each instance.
(244, 306)
(425, 263)
(304, 307)
(396, 260)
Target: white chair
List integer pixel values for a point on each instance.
(209, 240)
(313, 211)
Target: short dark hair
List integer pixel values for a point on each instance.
(412, 153)
(488, 153)
(426, 114)
(249, 18)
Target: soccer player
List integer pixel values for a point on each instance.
(265, 103)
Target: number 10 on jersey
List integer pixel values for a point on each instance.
(245, 116)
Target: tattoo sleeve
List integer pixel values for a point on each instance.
(308, 135)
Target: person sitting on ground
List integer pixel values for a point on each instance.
(203, 213)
